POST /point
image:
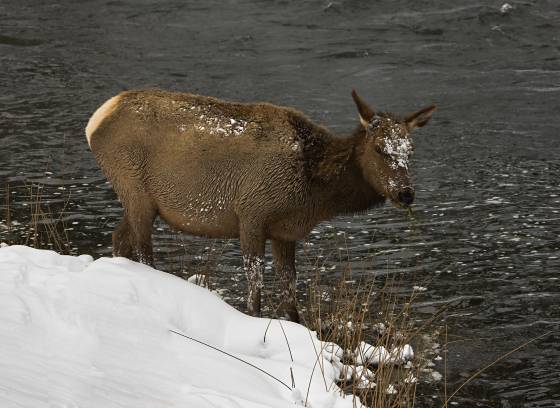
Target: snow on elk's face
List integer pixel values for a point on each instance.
(387, 151)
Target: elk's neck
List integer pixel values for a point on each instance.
(343, 186)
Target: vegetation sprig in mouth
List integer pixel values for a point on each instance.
(403, 206)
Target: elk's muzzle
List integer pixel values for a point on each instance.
(406, 196)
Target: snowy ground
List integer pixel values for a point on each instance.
(75, 332)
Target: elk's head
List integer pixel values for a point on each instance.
(387, 148)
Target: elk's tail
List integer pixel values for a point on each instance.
(100, 114)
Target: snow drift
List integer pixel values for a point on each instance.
(75, 332)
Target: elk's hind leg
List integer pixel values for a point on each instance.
(122, 244)
(252, 248)
(284, 263)
(143, 214)
(139, 214)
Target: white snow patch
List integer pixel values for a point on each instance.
(392, 184)
(79, 332)
(391, 390)
(433, 375)
(506, 8)
(410, 379)
(198, 279)
(397, 146)
(402, 354)
(436, 376)
(367, 354)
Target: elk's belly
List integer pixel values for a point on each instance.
(203, 221)
(291, 228)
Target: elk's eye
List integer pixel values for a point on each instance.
(379, 150)
(374, 123)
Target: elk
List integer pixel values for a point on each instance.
(254, 171)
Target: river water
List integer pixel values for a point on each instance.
(484, 235)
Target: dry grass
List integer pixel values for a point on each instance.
(348, 313)
(43, 227)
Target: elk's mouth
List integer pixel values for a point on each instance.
(404, 198)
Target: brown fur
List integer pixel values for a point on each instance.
(230, 170)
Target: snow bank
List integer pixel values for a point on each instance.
(75, 332)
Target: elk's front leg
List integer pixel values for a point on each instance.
(252, 248)
(284, 263)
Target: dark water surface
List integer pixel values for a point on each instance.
(485, 234)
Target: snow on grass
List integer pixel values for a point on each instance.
(367, 354)
(78, 332)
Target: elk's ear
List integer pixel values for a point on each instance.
(366, 113)
(419, 118)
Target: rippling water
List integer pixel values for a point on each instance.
(485, 229)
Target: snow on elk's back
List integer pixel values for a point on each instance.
(74, 331)
(194, 115)
(205, 121)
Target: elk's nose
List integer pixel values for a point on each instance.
(406, 196)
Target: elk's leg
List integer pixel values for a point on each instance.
(252, 248)
(122, 245)
(142, 232)
(284, 263)
(139, 213)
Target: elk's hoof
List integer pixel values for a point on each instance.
(292, 314)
